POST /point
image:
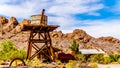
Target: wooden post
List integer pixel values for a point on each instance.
(51, 48)
(29, 51)
(42, 18)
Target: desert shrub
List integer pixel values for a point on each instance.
(115, 63)
(111, 58)
(71, 64)
(7, 46)
(8, 51)
(80, 57)
(18, 54)
(106, 59)
(74, 46)
(58, 62)
(114, 57)
(93, 65)
(33, 62)
(118, 61)
(96, 58)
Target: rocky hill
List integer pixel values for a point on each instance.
(11, 29)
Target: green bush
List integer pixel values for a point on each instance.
(96, 58)
(18, 54)
(7, 46)
(106, 59)
(74, 46)
(114, 57)
(80, 57)
(111, 58)
(8, 51)
(33, 62)
(71, 64)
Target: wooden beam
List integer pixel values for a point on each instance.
(39, 40)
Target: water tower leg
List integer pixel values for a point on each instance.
(51, 48)
(29, 51)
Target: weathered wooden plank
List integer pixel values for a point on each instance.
(41, 28)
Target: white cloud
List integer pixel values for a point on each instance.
(74, 7)
(98, 28)
(57, 7)
(64, 10)
(22, 10)
(19, 11)
(61, 12)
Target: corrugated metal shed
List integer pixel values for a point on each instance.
(91, 51)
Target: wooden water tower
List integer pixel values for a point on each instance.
(39, 43)
(36, 19)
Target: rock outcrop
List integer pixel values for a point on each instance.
(3, 20)
(107, 44)
(10, 25)
(109, 39)
(63, 41)
(19, 27)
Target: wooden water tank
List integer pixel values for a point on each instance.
(35, 19)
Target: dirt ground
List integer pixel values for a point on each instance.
(108, 65)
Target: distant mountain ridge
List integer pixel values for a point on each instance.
(11, 29)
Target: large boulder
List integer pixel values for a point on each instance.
(19, 27)
(10, 25)
(79, 35)
(3, 20)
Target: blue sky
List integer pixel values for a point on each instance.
(97, 17)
